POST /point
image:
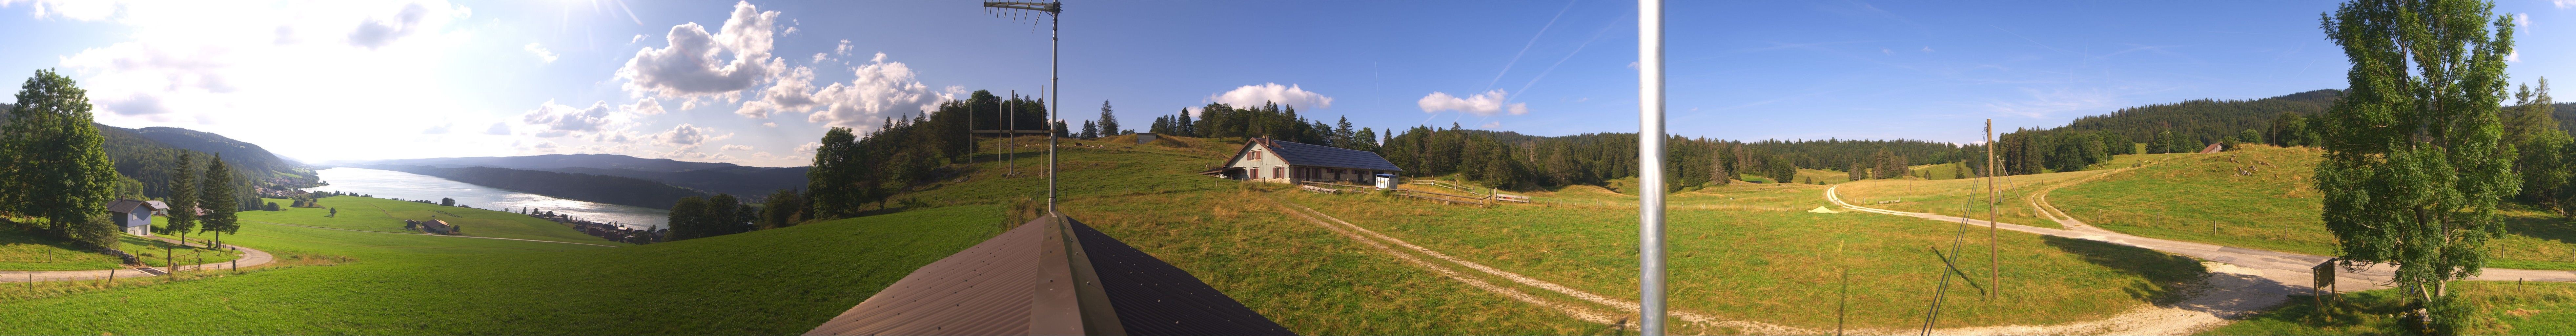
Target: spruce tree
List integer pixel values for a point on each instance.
(2414, 168)
(221, 198)
(1108, 122)
(1857, 171)
(183, 197)
(2542, 147)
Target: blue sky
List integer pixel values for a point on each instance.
(743, 82)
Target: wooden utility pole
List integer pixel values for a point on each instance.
(1995, 262)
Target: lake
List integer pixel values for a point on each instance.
(409, 186)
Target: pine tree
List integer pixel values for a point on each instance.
(1090, 130)
(2542, 147)
(2414, 168)
(57, 169)
(221, 198)
(1857, 171)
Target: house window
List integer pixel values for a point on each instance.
(1279, 172)
(1256, 173)
(1256, 156)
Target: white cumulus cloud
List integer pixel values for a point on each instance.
(880, 87)
(689, 137)
(737, 148)
(1482, 104)
(599, 122)
(1255, 95)
(695, 63)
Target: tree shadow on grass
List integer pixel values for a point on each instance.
(2546, 228)
(2167, 275)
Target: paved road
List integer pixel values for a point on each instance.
(250, 257)
(2284, 267)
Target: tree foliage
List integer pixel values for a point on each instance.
(219, 196)
(2414, 164)
(57, 170)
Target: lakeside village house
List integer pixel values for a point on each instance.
(136, 216)
(1262, 159)
(431, 226)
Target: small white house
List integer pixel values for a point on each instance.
(1262, 159)
(136, 216)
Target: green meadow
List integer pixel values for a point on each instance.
(1754, 253)
(2503, 308)
(781, 281)
(383, 215)
(2265, 197)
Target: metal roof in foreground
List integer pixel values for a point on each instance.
(1050, 277)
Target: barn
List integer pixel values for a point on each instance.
(1262, 159)
(135, 217)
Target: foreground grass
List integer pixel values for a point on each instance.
(1757, 255)
(2504, 308)
(2265, 197)
(384, 215)
(781, 281)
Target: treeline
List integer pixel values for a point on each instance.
(143, 165)
(2183, 127)
(1514, 160)
(587, 187)
(1279, 122)
(60, 173)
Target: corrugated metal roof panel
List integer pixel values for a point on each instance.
(1324, 156)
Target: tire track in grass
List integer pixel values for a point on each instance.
(1628, 306)
(1570, 310)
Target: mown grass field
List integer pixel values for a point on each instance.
(781, 281)
(2504, 308)
(1960, 197)
(384, 215)
(2265, 197)
(21, 250)
(1755, 254)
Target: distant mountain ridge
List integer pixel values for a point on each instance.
(710, 177)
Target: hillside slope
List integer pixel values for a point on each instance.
(781, 281)
(2265, 197)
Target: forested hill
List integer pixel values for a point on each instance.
(587, 187)
(561, 161)
(2206, 120)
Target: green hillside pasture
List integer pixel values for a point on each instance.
(30, 251)
(1092, 168)
(2504, 308)
(1307, 278)
(1960, 197)
(384, 215)
(780, 281)
(1764, 258)
(21, 250)
(1943, 171)
(2203, 198)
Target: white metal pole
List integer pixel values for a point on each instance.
(1055, 45)
(1650, 167)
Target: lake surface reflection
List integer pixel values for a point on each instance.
(409, 186)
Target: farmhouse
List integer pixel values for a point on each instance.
(136, 216)
(1262, 159)
(437, 226)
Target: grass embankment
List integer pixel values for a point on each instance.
(21, 250)
(1755, 254)
(384, 215)
(2504, 308)
(2265, 197)
(780, 281)
(1961, 197)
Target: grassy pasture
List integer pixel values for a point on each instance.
(1305, 277)
(2272, 205)
(21, 250)
(2504, 308)
(412, 284)
(1754, 254)
(1960, 197)
(384, 215)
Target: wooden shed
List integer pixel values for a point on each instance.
(1262, 159)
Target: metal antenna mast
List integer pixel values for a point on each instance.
(1650, 167)
(1055, 44)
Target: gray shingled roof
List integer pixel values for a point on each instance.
(125, 206)
(1299, 154)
